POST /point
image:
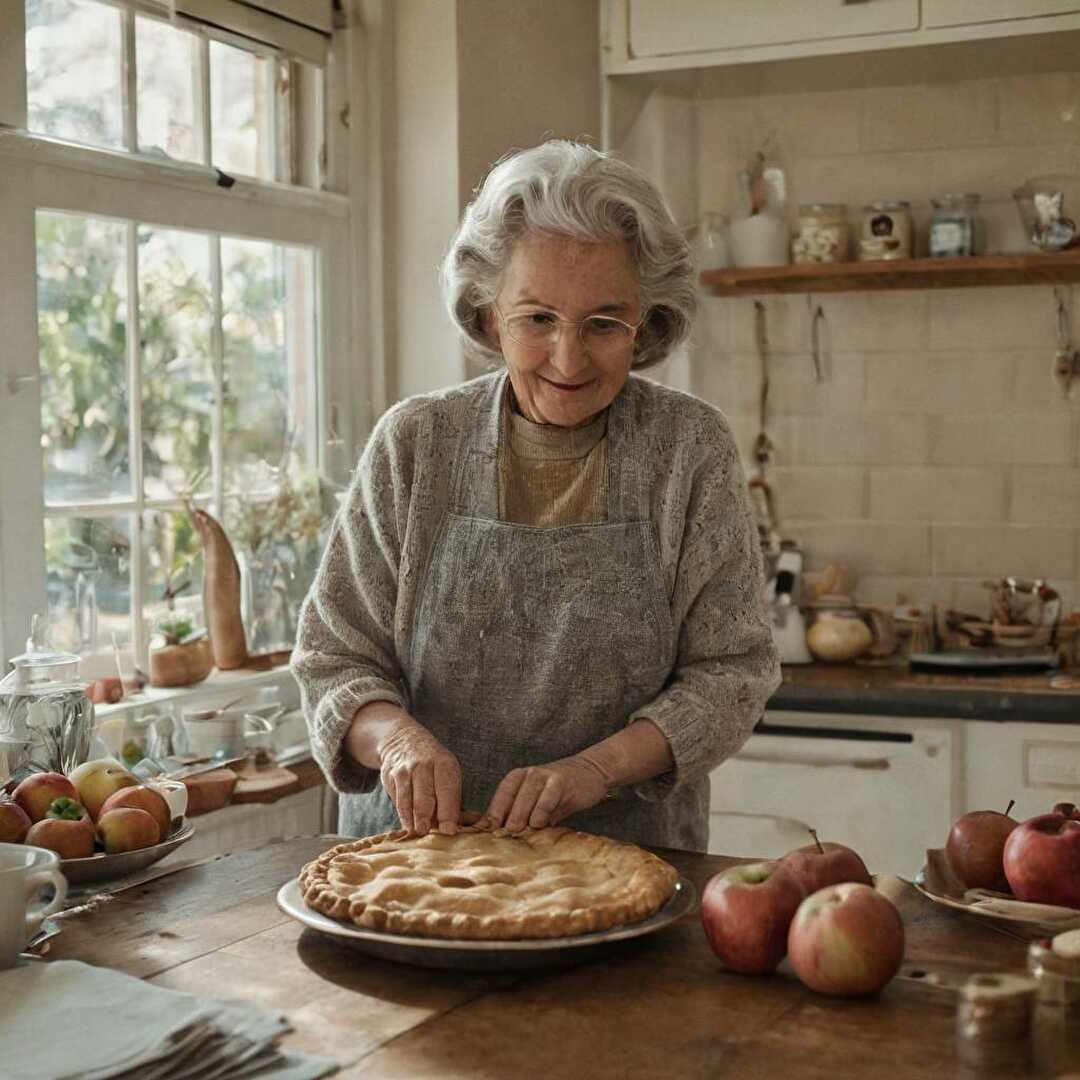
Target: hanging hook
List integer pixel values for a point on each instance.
(817, 317)
(1067, 358)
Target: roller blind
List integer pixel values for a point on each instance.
(300, 28)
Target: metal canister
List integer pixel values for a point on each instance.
(1055, 967)
(993, 1022)
(885, 231)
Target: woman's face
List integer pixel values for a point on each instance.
(561, 383)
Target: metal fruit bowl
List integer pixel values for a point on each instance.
(102, 867)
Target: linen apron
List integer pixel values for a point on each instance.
(531, 644)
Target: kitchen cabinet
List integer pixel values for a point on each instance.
(888, 787)
(962, 12)
(651, 36)
(665, 27)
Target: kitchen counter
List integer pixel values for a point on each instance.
(660, 1006)
(896, 691)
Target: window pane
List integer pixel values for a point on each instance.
(241, 111)
(87, 578)
(175, 318)
(268, 307)
(167, 61)
(172, 568)
(82, 313)
(74, 70)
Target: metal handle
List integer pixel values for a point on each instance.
(15, 382)
(819, 761)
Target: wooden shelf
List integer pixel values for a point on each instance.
(1061, 268)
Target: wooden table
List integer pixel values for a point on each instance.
(661, 1007)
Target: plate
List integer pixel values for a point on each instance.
(484, 955)
(937, 883)
(102, 867)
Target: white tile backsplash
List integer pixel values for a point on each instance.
(939, 450)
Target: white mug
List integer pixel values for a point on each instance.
(24, 871)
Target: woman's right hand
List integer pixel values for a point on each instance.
(422, 778)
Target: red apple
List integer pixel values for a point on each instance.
(142, 798)
(1067, 809)
(70, 838)
(126, 829)
(975, 846)
(97, 780)
(819, 865)
(38, 790)
(746, 911)
(1042, 860)
(14, 823)
(846, 940)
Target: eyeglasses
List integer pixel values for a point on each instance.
(602, 335)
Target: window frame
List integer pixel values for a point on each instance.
(43, 173)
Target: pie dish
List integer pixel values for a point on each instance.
(485, 885)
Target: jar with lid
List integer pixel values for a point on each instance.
(822, 235)
(885, 231)
(954, 226)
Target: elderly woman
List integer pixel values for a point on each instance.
(541, 600)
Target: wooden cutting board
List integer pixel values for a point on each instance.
(264, 785)
(209, 790)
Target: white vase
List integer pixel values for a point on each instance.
(760, 240)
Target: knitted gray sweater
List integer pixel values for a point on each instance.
(357, 625)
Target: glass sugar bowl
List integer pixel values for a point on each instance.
(46, 718)
(823, 234)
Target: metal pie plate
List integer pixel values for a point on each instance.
(519, 955)
(102, 867)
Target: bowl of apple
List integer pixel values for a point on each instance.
(101, 820)
(1025, 875)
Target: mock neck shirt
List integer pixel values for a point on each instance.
(551, 476)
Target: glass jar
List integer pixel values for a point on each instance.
(822, 236)
(954, 226)
(712, 245)
(885, 231)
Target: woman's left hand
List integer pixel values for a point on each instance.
(542, 795)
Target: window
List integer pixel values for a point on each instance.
(179, 331)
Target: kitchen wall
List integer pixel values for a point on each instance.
(937, 450)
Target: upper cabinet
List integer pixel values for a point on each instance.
(641, 36)
(667, 27)
(963, 12)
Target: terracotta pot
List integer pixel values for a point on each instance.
(181, 665)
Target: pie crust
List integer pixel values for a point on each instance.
(488, 885)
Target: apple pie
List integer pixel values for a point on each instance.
(488, 885)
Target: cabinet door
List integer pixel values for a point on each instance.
(963, 12)
(884, 788)
(665, 27)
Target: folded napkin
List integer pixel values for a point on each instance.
(66, 1020)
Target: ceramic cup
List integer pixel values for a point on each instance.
(209, 732)
(25, 870)
(761, 240)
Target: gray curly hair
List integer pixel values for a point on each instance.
(570, 189)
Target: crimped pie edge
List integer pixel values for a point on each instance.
(651, 884)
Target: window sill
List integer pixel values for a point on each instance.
(217, 688)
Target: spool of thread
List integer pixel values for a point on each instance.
(993, 1022)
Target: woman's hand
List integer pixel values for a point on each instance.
(543, 795)
(422, 778)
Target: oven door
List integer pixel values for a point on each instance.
(887, 787)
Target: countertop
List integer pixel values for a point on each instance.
(896, 691)
(660, 1006)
